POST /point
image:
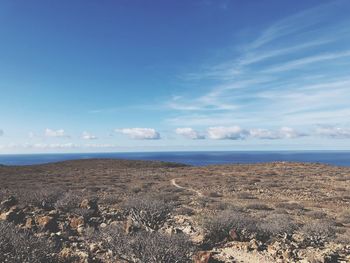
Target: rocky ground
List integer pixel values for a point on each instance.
(134, 211)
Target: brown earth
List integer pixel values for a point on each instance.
(306, 193)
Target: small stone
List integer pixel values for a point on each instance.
(93, 248)
(254, 245)
(233, 235)
(203, 257)
(30, 223)
(75, 222)
(89, 204)
(129, 225)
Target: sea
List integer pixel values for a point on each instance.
(339, 158)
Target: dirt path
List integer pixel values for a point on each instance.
(173, 182)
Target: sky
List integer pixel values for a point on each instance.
(161, 75)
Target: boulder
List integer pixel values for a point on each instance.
(75, 222)
(234, 235)
(89, 204)
(30, 223)
(203, 257)
(129, 226)
(9, 202)
(47, 223)
(254, 245)
(14, 215)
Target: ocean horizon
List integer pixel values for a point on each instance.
(198, 158)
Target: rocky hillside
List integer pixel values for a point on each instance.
(126, 211)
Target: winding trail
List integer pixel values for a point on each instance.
(173, 182)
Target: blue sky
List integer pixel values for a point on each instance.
(91, 76)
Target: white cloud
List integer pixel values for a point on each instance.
(56, 133)
(290, 133)
(88, 136)
(264, 134)
(230, 133)
(1, 132)
(283, 133)
(334, 132)
(140, 133)
(189, 133)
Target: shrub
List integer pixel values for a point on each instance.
(69, 201)
(345, 217)
(215, 194)
(43, 198)
(290, 206)
(258, 206)
(115, 239)
(278, 224)
(149, 211)
(318, 232)
(20, 246)
(148, 247)
(217, 227)
(159, 248)
(245, 195)
(317, 215)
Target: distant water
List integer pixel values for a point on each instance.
(193, 158)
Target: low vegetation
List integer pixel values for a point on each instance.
(99, 211)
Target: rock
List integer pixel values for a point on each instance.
(81, 229)
(75, 222)
(93, 248)
(273, 249)
(89, 204)
(14, 215)
(298, 238)
(47, 223)
(254, 245)
(30, 223)
(287, 254)
(9, 202)
(203, 257)
(233, 235)
(69, 255)
(129, 225)
(103, 225)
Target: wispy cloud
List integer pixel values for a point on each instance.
(1, 132)
(299, 63)
(296, 72)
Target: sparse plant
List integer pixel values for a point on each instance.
(69, 201)
(160, 248)
(290, 206)
(21, 246)
(149, 211)
(317, 215)
(258, 206)
(42, 197)
(245, 195)
(217, 227)
(278, 224)
(318, 232)
(148, 247)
